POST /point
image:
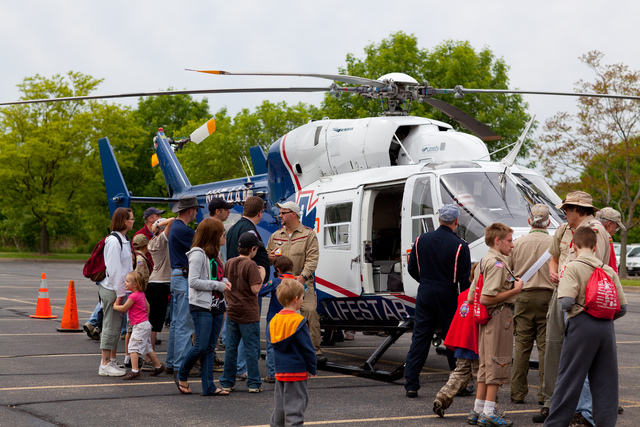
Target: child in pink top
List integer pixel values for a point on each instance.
(138, 309)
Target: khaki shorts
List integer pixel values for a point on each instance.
(495, 347)
(140, 341)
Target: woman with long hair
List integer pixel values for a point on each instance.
(206, 303)
(118, 261)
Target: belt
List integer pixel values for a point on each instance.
(501, 306)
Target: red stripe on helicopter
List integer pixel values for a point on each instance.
(286, 160)
(312, 202)
(405, 298)
(335, 287)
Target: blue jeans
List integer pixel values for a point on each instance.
(181, 322)
(96, 317)
(242, 355)
(585, 404)
(271, 363)
(250, 334)
(125, 319)
(207, 328)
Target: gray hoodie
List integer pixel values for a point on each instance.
(199, 279)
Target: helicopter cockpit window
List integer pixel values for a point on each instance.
(422, 208)
(484, 198)
(337, 225)
(539, 191)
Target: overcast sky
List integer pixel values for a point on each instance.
(142, 46)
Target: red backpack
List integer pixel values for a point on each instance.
(480, 312)
(601, 296)
(94, 269)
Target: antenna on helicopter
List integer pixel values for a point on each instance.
(247, 169)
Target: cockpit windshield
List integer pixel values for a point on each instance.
(488, 197)
(542, 193)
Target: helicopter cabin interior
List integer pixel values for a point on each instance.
(381, 240)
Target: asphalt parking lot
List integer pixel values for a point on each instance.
(50, 378)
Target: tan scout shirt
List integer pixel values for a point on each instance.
(497, 276)
(562, 245)
(142, 266)
(159, 249)
(301, 247)
(574, 279)
(526, 251)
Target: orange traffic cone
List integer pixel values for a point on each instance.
(70, 316)
(43, 309)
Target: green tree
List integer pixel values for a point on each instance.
(50, 173)
(597, 150)
(449, 64)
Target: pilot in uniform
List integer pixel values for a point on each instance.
(441, 262)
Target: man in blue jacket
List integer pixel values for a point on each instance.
(441, 262)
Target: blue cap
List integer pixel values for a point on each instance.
(448, 213)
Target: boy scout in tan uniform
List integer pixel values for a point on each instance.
(495, 338)
(590, 343)
(579, 211)
(532, 304)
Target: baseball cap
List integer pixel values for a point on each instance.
(219, 203)
(140, 241)
(152, 211)
(289, 205)
(448, 213)
(539, 212)
(248, 240)
(610, 214)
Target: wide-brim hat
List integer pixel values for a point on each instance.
(578, 198)
(186, 202)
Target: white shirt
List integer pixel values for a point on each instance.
(118, 262)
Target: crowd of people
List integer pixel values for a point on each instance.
(169, 270)
(530, 289)
(210, 282)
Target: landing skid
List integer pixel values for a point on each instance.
(368, 370)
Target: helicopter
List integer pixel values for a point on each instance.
(368, 187)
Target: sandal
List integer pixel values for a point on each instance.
(218, 392)
(183, 389)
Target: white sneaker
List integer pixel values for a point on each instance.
(111, 370)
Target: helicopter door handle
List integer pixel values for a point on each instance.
(356, 259)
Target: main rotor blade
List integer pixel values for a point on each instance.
(476, 127)
(171, 92)
(459, 91)
(337, 77)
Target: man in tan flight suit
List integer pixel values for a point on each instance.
(300, 244)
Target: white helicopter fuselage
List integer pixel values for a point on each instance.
(369, 187)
